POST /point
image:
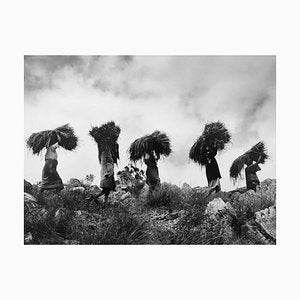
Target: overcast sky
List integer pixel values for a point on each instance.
(175, 94)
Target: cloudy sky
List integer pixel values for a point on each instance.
(175, 94)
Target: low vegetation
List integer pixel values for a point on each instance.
(168, 215)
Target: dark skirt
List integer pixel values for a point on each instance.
(212, 171)
(252, 185)
(252, 180)
(152, 176)
(50, 178)
(108, 183)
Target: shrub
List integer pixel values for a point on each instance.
(246, 205)
(72, 200)
(197, 228)
(119, 227)
(132, 179)
(167, 195)
(89, 179)
(46, 228)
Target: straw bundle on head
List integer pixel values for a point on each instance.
(158, 142)
(256, 152)
(215, 136)
(64, 135)
(106, 137)
(259, 150)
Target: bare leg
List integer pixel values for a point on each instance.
(214, 186)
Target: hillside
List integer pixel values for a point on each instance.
(171, 215)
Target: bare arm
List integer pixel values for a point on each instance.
(54, 146)
(259, 160)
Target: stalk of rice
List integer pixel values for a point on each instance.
(106, 137)
(257, 151)
(64, 135)
(158, 142)
(215, 136)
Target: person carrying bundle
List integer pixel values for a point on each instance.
(63, 136)
(50, 178)
(106, 137)
(252, 180)
(213, 139)
(152, 175)
(257, 154)
(213, 174)
(149, 148)
(107, 183)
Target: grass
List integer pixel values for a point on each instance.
(119, 228)
(167, 195)
(169, 215)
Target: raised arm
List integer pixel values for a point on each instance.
(54, 146)
(259, 159)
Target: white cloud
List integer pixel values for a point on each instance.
(177, 95)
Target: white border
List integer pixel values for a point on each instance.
(156, 27)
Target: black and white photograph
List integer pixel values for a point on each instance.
(155, 150)
(149, 150)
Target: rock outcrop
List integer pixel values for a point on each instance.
(28, 187)
(266, 219)
(73, 217)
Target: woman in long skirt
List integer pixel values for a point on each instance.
(107, 182)
(50, 178)
(213, 174)
(152, 175)
(252, 180)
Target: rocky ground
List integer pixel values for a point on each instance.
(171, 215)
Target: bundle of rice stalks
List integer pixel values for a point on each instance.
(257, 151)
(157, 142)
(215, 136)
(64, 135)
(106, 137)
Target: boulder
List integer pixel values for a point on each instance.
(74, 182)
(229, 208)
(29, 198)
(254, 235)
(30, 203)
(93, 190)
(33, 212)
(266, 219)
(78, 189)
(186, 188)
(251, 201)
(125, 196)
(28, 187)
(267, 188)
(28, 238)
(214, 206)
(144, 192)
(217, 223)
